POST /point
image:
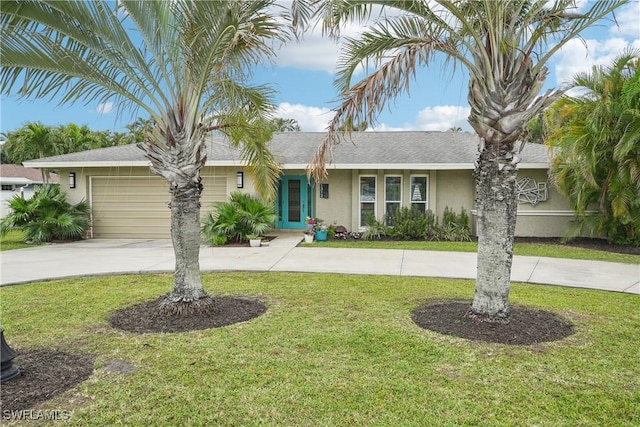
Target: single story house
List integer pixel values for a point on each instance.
(380, 172)
(19, 180)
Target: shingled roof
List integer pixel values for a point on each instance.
(16, 174)
(384, 150)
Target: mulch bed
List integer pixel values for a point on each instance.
(525, 327)
(44, 374)
(144, 318)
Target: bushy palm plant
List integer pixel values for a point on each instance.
(243, 215)
(47, 216)
(595, 147)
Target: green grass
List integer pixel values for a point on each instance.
(529, 249)
(334, 350)
(14, 240)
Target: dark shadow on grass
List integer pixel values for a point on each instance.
(526, 326)
(145, 318)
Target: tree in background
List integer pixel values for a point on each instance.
(32, 141)
(504, 46)
(285, 125)
(35, 141)
(185, 64)
(594, 141)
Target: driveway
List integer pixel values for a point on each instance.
(100, 257)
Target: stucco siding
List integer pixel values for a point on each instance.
(454, 189)
(544, 218)
(337, 209)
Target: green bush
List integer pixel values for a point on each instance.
(409, 224)
(375, 229)
(235, 220)
(47, 216)
(412, 224)
(454, 227)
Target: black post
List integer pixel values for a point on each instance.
(9, 371)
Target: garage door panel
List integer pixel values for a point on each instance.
(137, 207)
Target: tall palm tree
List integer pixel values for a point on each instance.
(504, 46)
(596, 149)
(184, 63)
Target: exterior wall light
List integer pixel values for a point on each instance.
(240, 179)
(72, 180)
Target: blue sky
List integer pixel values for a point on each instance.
(303, 77)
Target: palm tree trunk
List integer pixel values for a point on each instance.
(497, 210)
(188, 295)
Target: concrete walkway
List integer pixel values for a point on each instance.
(99, 257)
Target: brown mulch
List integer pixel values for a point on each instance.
(44, 374)
(525, 327)
(144, 318)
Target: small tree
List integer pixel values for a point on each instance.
(185, 64)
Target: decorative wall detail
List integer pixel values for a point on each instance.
(531, 192)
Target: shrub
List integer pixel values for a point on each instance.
(47, 216)
(454, 227)
(375, 229)
(235, 220)
(409, 223)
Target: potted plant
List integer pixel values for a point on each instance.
(254, 240)
(321, 232)
(310, 223)
(308, 235)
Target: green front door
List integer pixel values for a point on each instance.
(294, 201)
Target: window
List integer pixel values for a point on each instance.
(367, 198)
(419, 192)
(392, 197)
(7, 187)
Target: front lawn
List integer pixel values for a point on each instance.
(333, 350)
(551, 250)
(14, 240)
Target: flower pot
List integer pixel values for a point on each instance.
(254, 243)
(308, 238)
(321, 235)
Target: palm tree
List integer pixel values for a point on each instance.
(184, 63)
(504, 46)
(279, 124)
(34, 140)
(595, 141)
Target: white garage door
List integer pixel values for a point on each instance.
(136, 207)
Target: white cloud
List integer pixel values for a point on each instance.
(581, 55)
(320, 53)
(310, 119)
(439, 118)
(104, 108)
(628, 21)
(442, 118)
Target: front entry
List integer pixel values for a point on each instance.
(294, 202)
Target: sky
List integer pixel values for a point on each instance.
(303, 75)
